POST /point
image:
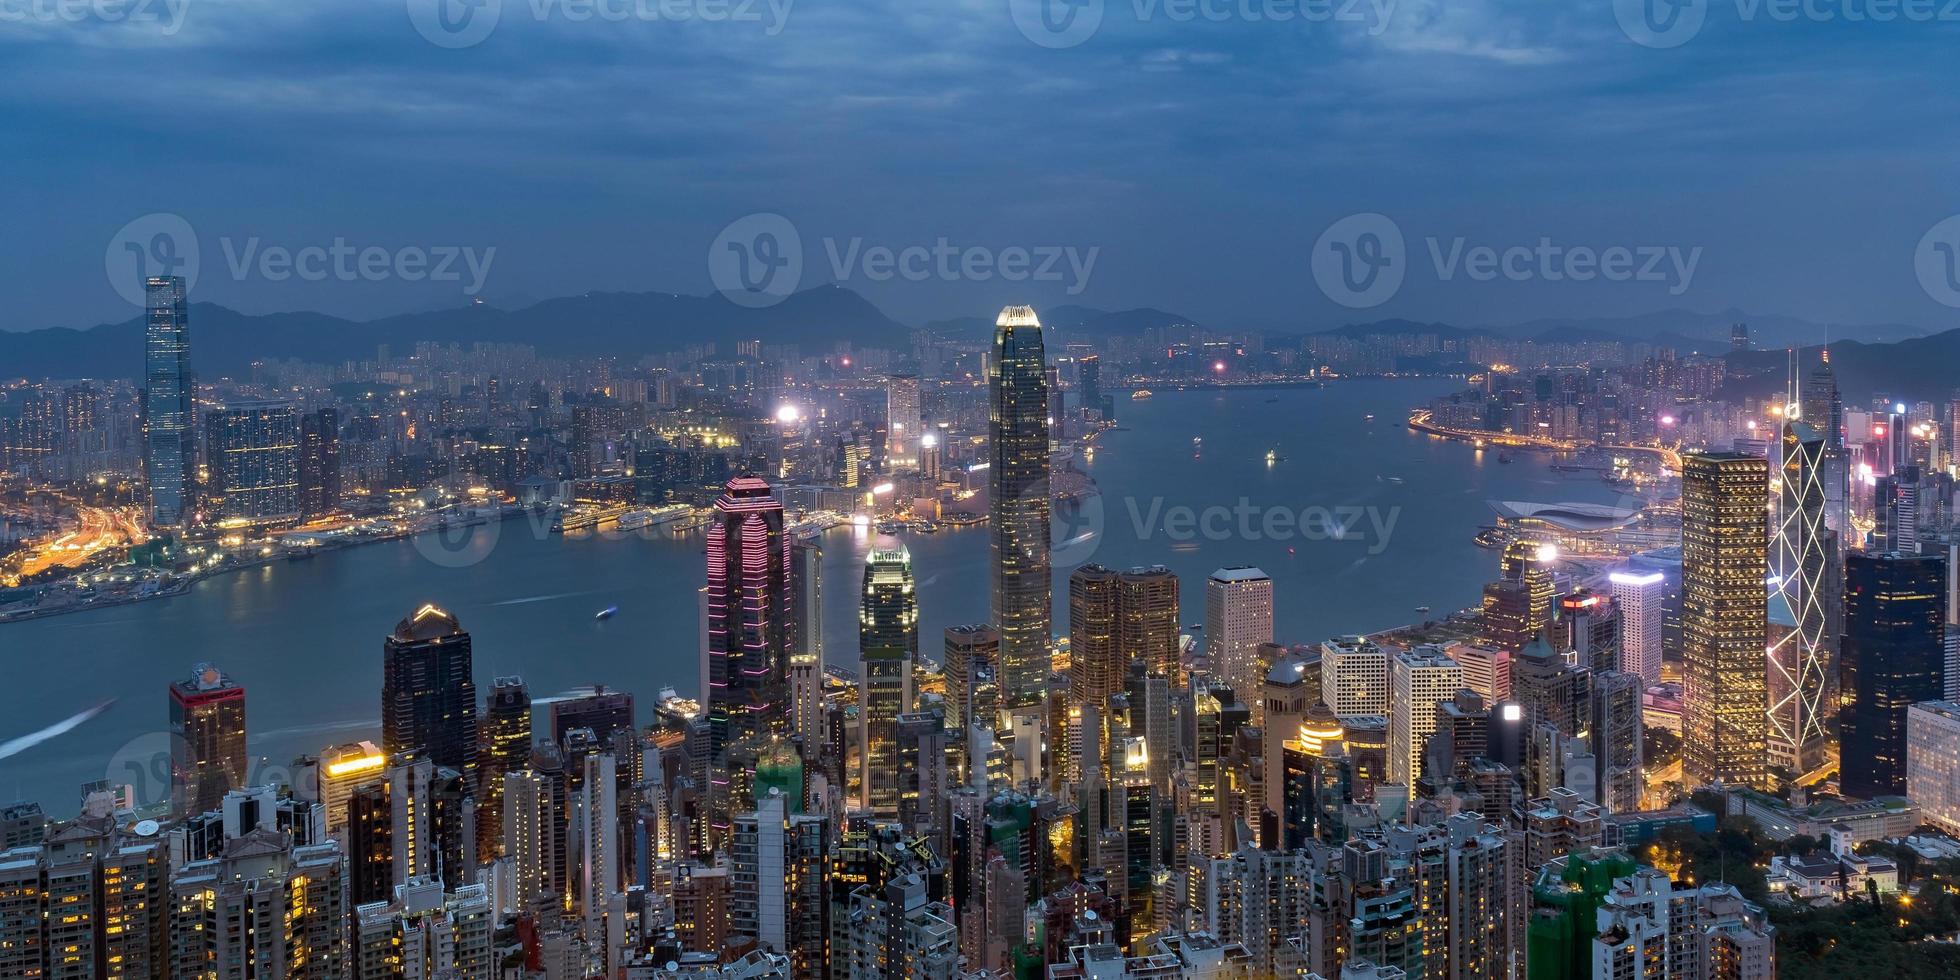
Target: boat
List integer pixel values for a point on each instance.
(607, 613)
(1272, 456)
(1368, 418)
(1140, 394)
(1398, 481)
(1422, 610)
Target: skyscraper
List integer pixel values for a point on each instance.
(1642, 600)
(253, 448)
(1096, 664)
(1800, 593)
(319, 462)
(972, 654)
(1238, 619)
(806, 654)
(1354, 676)
(1520, 602)
(1018, 499)
(169, 441)
(1823, 410)
(902, 424)
(1419, 680)
(207, 748)
(1894, 655)
(1724, 610)
(749, 636)
(428, 692)
(263, 908)
(1147, 624)
(888, 642)
(506, 749)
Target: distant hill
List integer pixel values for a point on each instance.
(1918, 368)
(1068, 323)
(225, 342)
(1687, 329)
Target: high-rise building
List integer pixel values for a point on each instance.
(903, 427)
(806, 653)
(1724, 617)
(264, 908)
(1419, 679)
(428, 692)
(749, 634)
(1642, 600)
(1521, 601)
(888, 643)
(1019, 505)
(1893, 655)
(1895, 512)
(780, 883)
(169, 436)
(1933, 762)
(1147, 622)
(424, 933)
(1096, 664)
(207, 746)
(253, 452)
(1801, 592)
(506, 748)
(599, 851)
(319, 462)
(1486, 670)
(1238, 620)
(1823, 410)
(342, 769)
(1617, 735)
(1354, 676)
(85, 900)
(1088, 379)
(971, 656)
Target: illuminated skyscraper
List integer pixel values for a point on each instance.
(1800, 593)
(207, 748)
(1419, 680)
(1147, 623)
(1724, 617)
(319, 462)
(1642, 600)
(972, 654)
(1521, 601)
(1018, 498)
(342, 769)
(806, 654)
(169, 440)
(888, 642)
(506, 749)
(428, 692)
(749, 635)
(1096, 664)
(902, 424)
(1894, 656)
(1822, 409)
(253, 449)
(1354, 676)
(1238, 620)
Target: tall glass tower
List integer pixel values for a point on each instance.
(169, 441)
(1018, 491)
(1799, 640)
(749, 636)
(888, 642)
(1724, 617)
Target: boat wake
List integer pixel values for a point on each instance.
(16, 746)
(543, 598)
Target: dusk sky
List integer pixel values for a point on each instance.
(1801, 162)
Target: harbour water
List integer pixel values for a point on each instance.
(1185, 482)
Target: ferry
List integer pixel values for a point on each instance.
(1140, 394)
(1272, 456)
(607, 613)
(633, 520)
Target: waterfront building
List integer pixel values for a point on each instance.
(749, 635)
(207, 746)
(252, 452)
(903, 428)
(169, 390)
(1354, 676)
(1018, 498)
(319, 463)
(1893, 656)
(1238, 622)
(428, 692)
(1724, 617)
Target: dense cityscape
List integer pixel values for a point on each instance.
(1690, 734)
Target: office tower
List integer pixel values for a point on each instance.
(1933, 762)
(971, 653)
(1642, 600)
(1521, 601)
(528, 840)
(207, 745)
(342, 769)
(506, 748)
(1096, 663)
(85, 901)
(1018, 501)
(1587, 629)
(749, 632)
(1893, 655)
(779, 885)
(252, 448)
(1617, 732)
(1823, 410)
(169, 438)
(428, 692)
(806, 651)
(599, 851)
(1088, 378)
(425, 933)
(1419, 680)
(903, 427)
(1550, 691)
(888, 643)
(263, 908)
(1724, 617)
(319, 462)
(1238, 620)
(1147, 624)
(1486, 670)
(1895, 512)
(1800, 593)
(602, 712)
(1354, 676)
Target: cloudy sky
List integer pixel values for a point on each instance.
(1197, 153)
